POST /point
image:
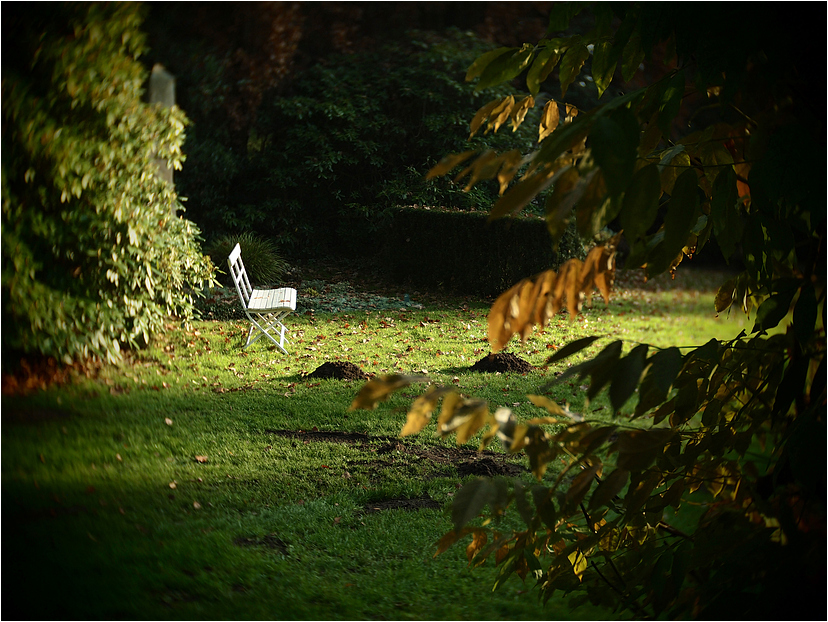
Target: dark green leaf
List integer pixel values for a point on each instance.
(571, 348)
(660, 581)
(671, 102)
(567, 189)
(792, 385)
(542, 497)
(571, 64)
(773, 310)
(640, 205)
(725, 295)
(663, 368)
(708, 352)
(632, 56)
(804, 315)
(818, 384)
(505, 67)
(602, 368)
(682, 214)
(627, 375)
(543, 64)
(608, 489)
(470, 501)
(560, 14)
(523, 506)
(477, 67)
(637, 449)
(614, 144)
(604, 61)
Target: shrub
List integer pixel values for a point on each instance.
(262, 261)
(94, 257)
(355, 135)
(465, 253)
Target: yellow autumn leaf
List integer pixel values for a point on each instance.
(520, 110)
(379, 389)
(501, 113)
(482, 115)
(511, 162)
(579, 563)
(420, 413)
(448, 163)
(549, 119)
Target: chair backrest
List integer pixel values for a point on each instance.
(239, 274)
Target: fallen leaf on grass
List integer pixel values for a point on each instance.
(168, 421)
(201, 458)
(196, 505)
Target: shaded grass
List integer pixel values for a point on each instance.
(158, 489)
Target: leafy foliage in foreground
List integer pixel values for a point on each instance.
(94, 255)
(707, 499)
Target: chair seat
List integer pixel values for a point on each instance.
(263, 300)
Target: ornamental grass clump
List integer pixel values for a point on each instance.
(261, 258)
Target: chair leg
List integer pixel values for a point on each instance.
(271, 322)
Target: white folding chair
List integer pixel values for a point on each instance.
(265, 308)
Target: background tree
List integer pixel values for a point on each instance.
(94, 256)
(727, 438)
(305, 115)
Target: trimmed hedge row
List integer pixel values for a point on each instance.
(462, 251)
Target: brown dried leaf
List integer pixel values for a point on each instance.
(479, 540)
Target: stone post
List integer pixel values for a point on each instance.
(162, 91)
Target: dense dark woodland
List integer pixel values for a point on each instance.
(311, 119)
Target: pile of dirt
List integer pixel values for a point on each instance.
(338, 370)
(501, 362)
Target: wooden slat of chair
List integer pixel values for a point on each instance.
(265, 308)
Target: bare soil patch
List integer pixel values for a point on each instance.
(502, 362)
(383, 451)
(338, 370)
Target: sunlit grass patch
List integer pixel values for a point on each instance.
(129, 492)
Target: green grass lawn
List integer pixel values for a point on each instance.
(196, 480)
